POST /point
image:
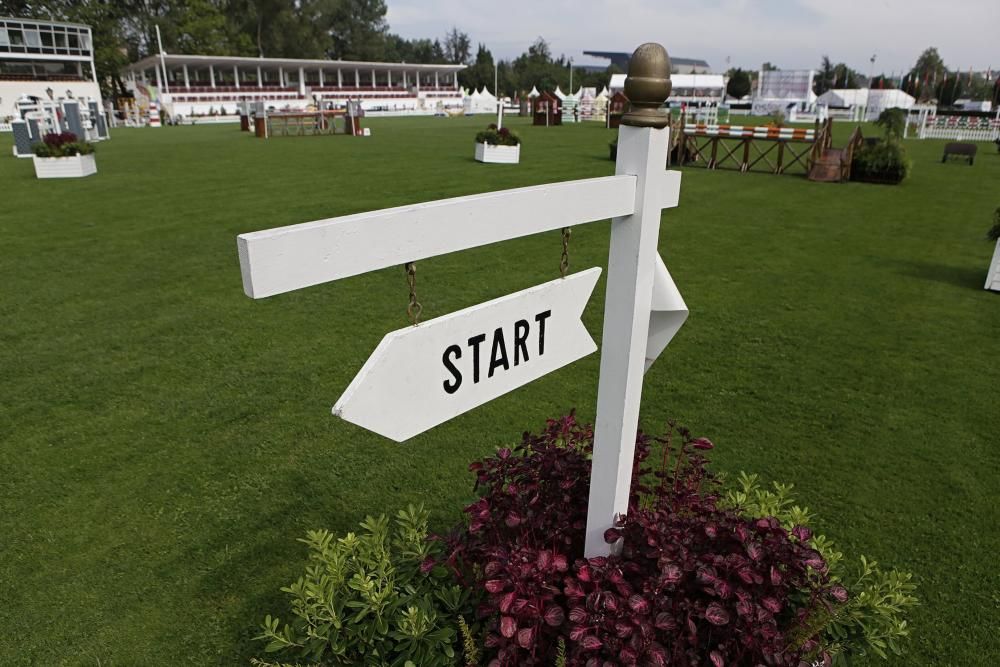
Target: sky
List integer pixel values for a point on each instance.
(792, 34)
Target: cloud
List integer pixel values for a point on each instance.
(790, 33)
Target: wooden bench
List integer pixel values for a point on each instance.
(960, 149)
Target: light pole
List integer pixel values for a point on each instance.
(868, 98)
(570, 76)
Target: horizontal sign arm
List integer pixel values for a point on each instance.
(283, 259)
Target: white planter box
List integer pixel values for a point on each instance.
(993, 277)
(76, 166)
(500, 154)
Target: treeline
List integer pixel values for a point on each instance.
(125, 31)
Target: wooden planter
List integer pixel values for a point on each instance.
(498, 154)
(993, 277)
(75, 166)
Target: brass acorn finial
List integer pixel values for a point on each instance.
(647, 86)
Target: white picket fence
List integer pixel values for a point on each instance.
(960, 128)
(960, 133)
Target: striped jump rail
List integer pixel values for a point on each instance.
(806, 134)
(751, 147)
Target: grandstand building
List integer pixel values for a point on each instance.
(678, 65)
(194, 85)
(45, 60)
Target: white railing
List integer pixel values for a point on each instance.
(5, 127)
(960, 133)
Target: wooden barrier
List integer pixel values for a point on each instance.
(752, 148)
(304, 123)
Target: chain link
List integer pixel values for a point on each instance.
(414, 308)
(564, 261)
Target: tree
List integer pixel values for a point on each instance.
(739, 84)
(825, 77)
(768, 67)
(457, 47)
(845, 77)
(882, 81)
(480, 73)
(357, 29)
(927, 75)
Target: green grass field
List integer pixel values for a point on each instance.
(164, 439)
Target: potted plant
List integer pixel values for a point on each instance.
(883, 161)
(62, 155)
(498, 145)
(993, 277)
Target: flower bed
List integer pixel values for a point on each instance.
(63, 156)
(706, 575)
(498, 146)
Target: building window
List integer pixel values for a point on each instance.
(32, 39)
(4, 38)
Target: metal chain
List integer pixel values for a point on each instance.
(414, 308)
(564, 262)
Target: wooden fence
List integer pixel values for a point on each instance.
(775, 150)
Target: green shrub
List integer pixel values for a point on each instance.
(872, 617)
(884, 161)
(498, 137)
(892, 121)
(61, 144)
(994, 233)
(373, 598)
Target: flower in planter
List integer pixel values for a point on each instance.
(61, 144)
(498, 137)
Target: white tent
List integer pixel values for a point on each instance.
(697, 88)
(617, 83)
(859, 97)
(486, 102)
(559, 93)
(604, 93)
(534, 92)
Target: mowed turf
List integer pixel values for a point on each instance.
(164, 439)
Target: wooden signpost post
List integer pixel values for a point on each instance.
(423, 375)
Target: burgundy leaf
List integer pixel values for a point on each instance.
(638, 604)
(716, 615)
(554, 616)
(495, 585)
(526, 637)
(665, 621)
(702, 443)
(508, 626)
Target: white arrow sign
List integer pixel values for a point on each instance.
(424, 375)
(667, 312)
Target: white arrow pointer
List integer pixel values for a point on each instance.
(668, 312)
(424, 375)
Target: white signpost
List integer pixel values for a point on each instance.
(423, 375)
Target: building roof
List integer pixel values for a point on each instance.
(620, 58)
(176, 60)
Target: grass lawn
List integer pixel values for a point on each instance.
(164, 439)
